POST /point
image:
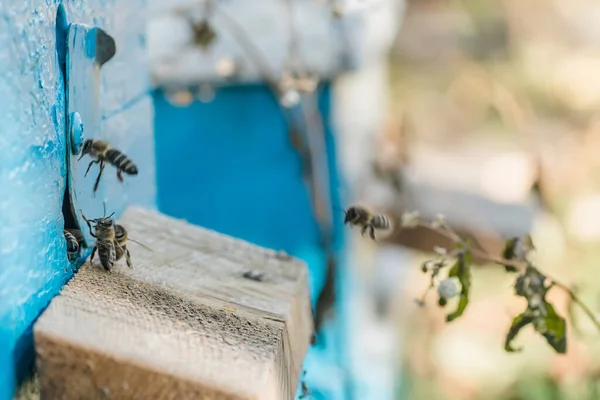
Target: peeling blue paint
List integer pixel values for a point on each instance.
(62, 26)
(33, 261)
(32, 177)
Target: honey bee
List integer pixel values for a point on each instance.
(101, 152)
(104, 232)
(74, 238)
(360, 216)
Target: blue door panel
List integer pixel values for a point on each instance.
(227, 165)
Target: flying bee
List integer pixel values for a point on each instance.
(74, 238)
(104, 232)
(360, 216)
(101, 152)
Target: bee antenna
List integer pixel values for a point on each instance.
(340, 209)
(141, 244)
(103, 208)
(113, 213)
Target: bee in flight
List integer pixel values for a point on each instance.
(360, 216)
(74, 238)
(101, 152)
(104, 232)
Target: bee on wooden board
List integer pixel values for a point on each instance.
(104, 233)
(101, 152)
(367, 220)
(74, 238)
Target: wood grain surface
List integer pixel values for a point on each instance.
(183, 323)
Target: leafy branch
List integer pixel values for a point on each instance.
(531, 283)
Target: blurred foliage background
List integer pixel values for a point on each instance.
(500, 99)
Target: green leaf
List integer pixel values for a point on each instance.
(554, 330)
(462, 305)
(461, 270)
(530, 283)
(510, 268)
(519, 322)
(517, 248)
(509, 253)
(442, 301)
(509, 248)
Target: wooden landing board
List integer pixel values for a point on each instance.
(182, 324)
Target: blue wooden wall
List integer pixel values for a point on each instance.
(228, 165)
(32, 143)
(33, 262)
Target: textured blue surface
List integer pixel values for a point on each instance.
(33, 262)
(236, 172)
(32, 143)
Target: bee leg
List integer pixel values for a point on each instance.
(89, 225)
(363, 230)
(120, 175)
(89, 166)
(99, 176)
(92, 256)
(128, 258)
(107, 266)
(372, 232)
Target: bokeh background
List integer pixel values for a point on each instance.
(493, 120)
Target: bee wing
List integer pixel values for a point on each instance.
(112, 256)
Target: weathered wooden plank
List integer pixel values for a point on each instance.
(182, 324)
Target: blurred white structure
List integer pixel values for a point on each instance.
(360, 114)
(323, 37)
(342, 41)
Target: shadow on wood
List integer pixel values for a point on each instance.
(184, 323)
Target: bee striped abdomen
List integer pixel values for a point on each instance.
(106, 253)
(72, 244)
(121, 161)
(381, 222)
